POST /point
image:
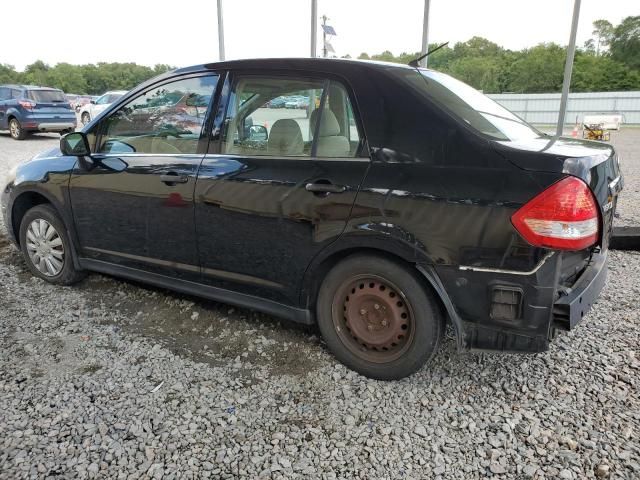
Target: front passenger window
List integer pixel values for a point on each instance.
(167, 119)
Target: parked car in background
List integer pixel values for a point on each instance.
(297, 101)
(90, 110)
(81, 101)
(27, 108)
(276, 102)
(405, 201)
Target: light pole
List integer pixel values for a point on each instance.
(568, 67)
(314, 27)
(425, 33)
(220, 32)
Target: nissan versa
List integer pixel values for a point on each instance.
(398, 200)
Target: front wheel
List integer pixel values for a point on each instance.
(377, 318)
(46, 248)
(85, 118)
(16, 130)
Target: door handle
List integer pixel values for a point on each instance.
(324, 188)
(173, 178)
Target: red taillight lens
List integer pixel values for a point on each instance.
(28, 104)
(564, 217)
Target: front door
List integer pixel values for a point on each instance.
(281, 186)
(133, 200)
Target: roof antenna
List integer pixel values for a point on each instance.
(415, 61)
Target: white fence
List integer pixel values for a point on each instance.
(542, 108)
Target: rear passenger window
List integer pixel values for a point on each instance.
(337, 134)
(281, 117)
(16, 94)
(5, 93)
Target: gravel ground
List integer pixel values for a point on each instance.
(113, 379)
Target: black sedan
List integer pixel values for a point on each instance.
(401, 200)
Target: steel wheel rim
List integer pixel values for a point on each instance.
(85, 118)
(373, 318)
(45, 247)
(14, 128)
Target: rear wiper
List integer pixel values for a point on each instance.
(415, 62)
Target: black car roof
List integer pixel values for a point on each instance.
(322, 64)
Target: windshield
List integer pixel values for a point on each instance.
(476, 109)
(46, 96)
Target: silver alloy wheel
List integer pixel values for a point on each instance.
(85, 118)
(45, 248)
(14, 128)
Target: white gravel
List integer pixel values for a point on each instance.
(112, 379)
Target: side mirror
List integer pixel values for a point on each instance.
(258, 133)
(92, 101)
(75, 144)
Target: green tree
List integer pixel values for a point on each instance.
(602, 74)
(603, 31)
(625, 42)
(538, 70)
(480, 73)
(36, 74)
(8, 74)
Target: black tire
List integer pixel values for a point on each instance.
(85, 118)
(15, 130)
(68, 274)
(419, 337)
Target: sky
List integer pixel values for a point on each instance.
(184, 32)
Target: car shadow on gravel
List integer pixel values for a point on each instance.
(201, 330)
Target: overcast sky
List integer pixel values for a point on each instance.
(184, 32)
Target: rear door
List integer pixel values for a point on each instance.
(133, 204)
(5, 95)
(279, 184)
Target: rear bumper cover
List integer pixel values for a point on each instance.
(56, 126)
(569, 309)
(546, 307)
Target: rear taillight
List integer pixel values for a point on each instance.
(564, 217)
(28, 104)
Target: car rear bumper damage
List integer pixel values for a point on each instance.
(571, 307)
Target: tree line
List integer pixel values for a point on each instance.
(610, 61)
(82, 79)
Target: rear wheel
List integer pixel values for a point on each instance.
(46, 247)
(16, 130)
(85, 118)
(377, 318)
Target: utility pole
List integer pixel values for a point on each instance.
(220, 32)
(324, 36)
(314, 27)
(568, 67)
(425, 33)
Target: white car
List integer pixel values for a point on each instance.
(89, 111)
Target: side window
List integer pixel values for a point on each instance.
(16, 94)
(337, 134)
(271, 116)
(278, 116)
(102, 100)
(166, 119)
(5, 94)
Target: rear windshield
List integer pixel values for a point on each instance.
(474, 108)
(46, 96)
